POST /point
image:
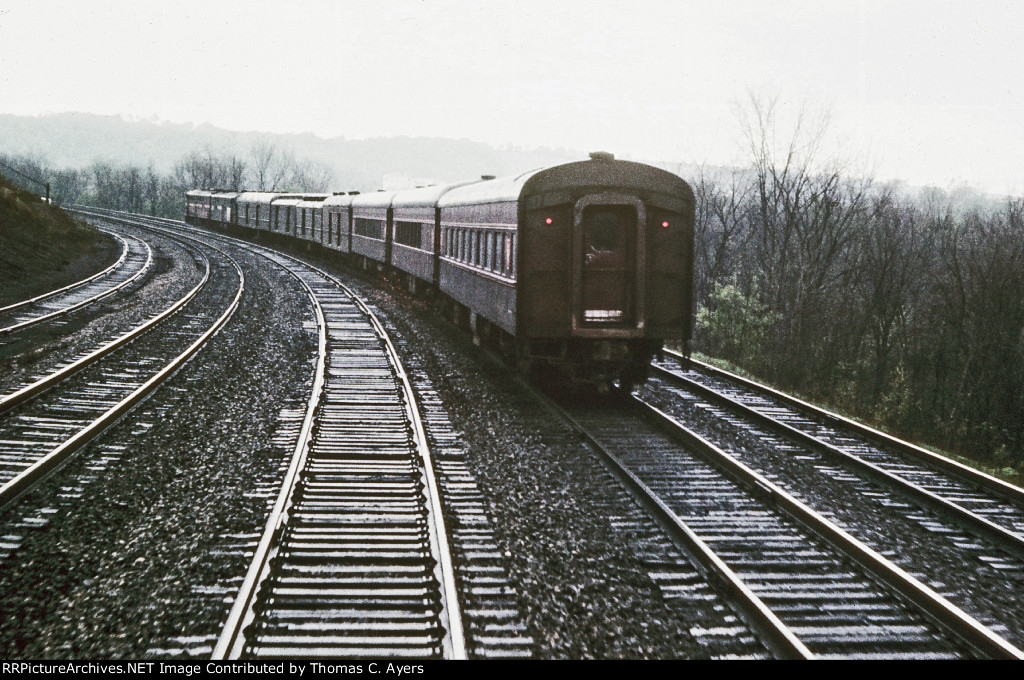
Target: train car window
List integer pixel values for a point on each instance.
(605, 226)
(369, 228)
(513, 264)
(409, 234)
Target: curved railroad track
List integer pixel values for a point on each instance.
(355, 559)
(45, 423)
(973, 558)
(309, 590)
(136, 258)
(988, 505)
(809, 588)
(467, 566)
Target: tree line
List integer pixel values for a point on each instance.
(903, 308)
(141, 189)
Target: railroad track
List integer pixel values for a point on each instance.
(808, 587)
(45, 423)
(842, 600)
(136, 258)
(987, 505)
(355, 558)
(356, 543)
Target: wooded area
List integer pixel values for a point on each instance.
(902, 308)
(905, 309)
(138, 189)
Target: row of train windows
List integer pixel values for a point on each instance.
(487, 249)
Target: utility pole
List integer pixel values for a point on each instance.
(31, 179)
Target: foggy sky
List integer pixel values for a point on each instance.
(926, 91)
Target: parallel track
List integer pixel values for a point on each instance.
(136, 258)
(46, 423)
(985, 506)
(491, 617)
(810, 588)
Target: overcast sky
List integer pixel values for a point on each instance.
(927, 91)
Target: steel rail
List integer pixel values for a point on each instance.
(9, 401)
(439, 535)
(934, 606)
(1009, 492)
(231, 643)
(52, 461)
(39, 298)
(773, 631)
(1009, 541)
(88, 301)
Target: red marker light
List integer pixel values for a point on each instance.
(548, 221)
(664, 225)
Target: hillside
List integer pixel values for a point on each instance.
(41, 248)
(75, 140)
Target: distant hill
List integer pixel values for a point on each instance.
(75, 140)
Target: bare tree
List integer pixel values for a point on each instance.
(271, 165)
(311, 175)
(804, 223)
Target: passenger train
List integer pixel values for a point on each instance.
(584, 269)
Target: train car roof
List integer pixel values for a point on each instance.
(315, 200)
(601, 170)
(339, 200)
(225, 194)
(377, 199)
(426, 197)
(258, 196)
(199, 192)
(495, 190)
(288, 199)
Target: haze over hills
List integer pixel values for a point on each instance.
(76, 140)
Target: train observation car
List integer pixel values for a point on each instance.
(588, 265)
(583, 268)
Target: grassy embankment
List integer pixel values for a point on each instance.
(42, 248)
